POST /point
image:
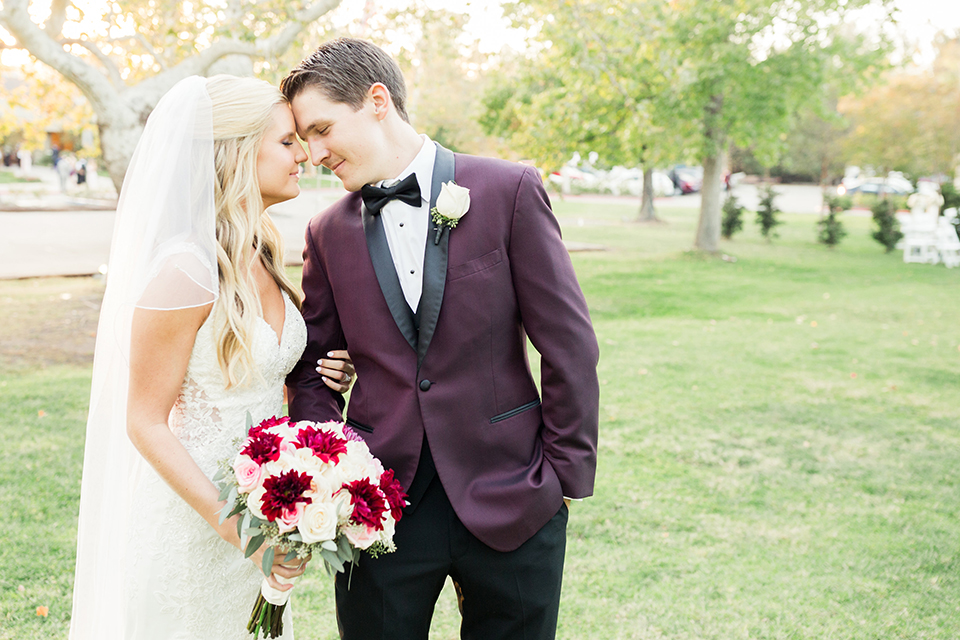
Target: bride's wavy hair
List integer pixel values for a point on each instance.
(242, 112)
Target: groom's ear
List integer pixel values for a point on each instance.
(379, 97)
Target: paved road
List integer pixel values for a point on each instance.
(57, 243)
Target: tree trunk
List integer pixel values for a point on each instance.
(708, 228)
(122, 110)
(647, 211)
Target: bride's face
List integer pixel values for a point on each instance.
(278, 163)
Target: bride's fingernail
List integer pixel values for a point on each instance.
(329, 354)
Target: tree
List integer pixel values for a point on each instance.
(909, 123)
(593, 85)
(140, 48)
(732, 216)
(830, 230)
(748, 67)
(683, 78)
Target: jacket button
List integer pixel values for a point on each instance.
(425, 385)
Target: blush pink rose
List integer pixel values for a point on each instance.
(290, 518)
(361, 536)
(248, 473)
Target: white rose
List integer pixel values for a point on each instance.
(453, 200)
(254, 500)
(319, 522)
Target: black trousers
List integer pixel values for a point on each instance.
(503, 596)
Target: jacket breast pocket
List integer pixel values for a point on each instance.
(470, 267)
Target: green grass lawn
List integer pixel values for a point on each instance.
(778, 445)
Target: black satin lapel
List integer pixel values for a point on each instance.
(387, 275)
(434, 258)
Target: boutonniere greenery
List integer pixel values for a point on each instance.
(452, 204)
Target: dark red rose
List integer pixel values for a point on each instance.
(394, 494)
(368, 503)
(262, 446)
(325, 445)
(284, 492)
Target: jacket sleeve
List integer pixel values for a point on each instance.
(309, 398)
(555, 317)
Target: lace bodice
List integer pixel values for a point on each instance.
(184, 581)
(207, 417)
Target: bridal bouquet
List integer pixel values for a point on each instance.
(306, 488)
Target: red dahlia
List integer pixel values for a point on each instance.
(394, 493)
(326, 445)
(368, 503)
(262, 446)
(272, 421)
(284, 492)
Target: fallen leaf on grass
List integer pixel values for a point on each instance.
(813, 323)
(853, 374)
(43, 611)
(41, 413)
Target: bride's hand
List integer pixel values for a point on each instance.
(292, 569)
(337, 370)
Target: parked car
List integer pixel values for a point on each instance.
(894, 184)
(687, 179)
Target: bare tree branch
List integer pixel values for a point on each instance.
(58, 16)
(104, 59)
(15, 18)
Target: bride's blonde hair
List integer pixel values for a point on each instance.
(242, 112)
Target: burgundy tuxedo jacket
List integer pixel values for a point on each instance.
(505, 455)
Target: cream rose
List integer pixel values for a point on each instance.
(319, 522)
(254, 500)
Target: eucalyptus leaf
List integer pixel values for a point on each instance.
(329, 545)
(295, 537)
(268, 560)
(252, 531)
(220, 475)
(224, 492)
(253, 545)
(332, 559)
(249, 421)
(290, 556)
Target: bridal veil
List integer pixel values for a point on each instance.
(163, 256)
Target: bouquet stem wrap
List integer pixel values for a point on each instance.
(267, 615)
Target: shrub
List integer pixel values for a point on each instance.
(732, 217)
(767, 213)
(888, 227)
(831, 230)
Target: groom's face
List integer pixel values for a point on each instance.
(348, 142)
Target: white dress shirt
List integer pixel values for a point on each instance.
(406, 226)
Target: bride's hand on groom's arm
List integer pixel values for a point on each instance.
(337, 370)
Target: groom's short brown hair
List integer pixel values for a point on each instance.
(343, 70)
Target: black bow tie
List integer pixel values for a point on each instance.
(407, 190)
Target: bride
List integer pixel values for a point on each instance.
(199, 326)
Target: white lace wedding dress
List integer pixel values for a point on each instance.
(184, 582)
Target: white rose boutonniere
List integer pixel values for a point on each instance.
(452, 204)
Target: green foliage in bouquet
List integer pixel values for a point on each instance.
(831, 230)
(732, 217)
(888, 227)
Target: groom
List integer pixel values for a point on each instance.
(436, 320)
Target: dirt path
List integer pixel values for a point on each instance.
(48, 321)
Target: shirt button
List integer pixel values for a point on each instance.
(425, 385)
(411, 271)
(401, 224)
